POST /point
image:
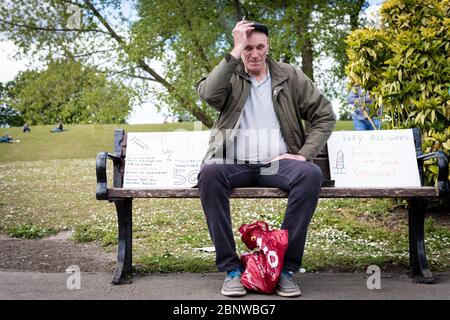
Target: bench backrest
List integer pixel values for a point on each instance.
(120, 146)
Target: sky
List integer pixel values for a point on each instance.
(145, 113)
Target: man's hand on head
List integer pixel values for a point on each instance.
(289, 156)
(240, 33)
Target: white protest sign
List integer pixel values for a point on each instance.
(164, 159)
(381, 158)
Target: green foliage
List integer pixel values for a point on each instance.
(170, 263)
(88, 233)
(8, 115)
(70, 92)
(186, 39)
(29, 231)
(345, 112)
(406, 66)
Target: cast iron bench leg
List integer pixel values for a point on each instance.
(123, 267)
(417, 255)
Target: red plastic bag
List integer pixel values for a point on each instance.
(263, 267)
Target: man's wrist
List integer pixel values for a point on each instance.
(306, 157)
(236, 52)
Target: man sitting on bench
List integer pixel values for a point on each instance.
(257, 96)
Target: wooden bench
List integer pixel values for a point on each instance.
(416, 197)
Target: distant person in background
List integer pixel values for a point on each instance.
(360, 101)
(26, 128)
(6, 138)
(59, 128)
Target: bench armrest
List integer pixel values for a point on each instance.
(101, 192)
(443, 181)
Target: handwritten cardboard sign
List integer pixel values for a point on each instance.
(164, 159)
(382, 158)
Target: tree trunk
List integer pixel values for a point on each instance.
(354, 14)
(303, 33)
(239, 10)
(307, 59)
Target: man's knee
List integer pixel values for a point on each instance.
(309, 173)
(210, 173)
(314, 171)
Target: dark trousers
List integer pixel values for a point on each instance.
(302, 181)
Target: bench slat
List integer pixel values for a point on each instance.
(326, 192)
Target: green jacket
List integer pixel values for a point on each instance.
(295, 98)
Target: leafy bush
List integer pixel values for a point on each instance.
(405, 64)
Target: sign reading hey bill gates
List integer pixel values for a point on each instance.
(164, 159)
(381, 158)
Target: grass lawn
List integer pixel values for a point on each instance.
(47, 184)
(79, 141)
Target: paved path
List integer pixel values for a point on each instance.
(189, 286)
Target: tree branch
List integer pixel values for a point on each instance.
(239, 10)
(93, 52)
(196, 111)
(141, 63)
(354, 14)
(105, 23)
(50, 29)
(130, 75)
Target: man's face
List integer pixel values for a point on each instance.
(255, 53)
